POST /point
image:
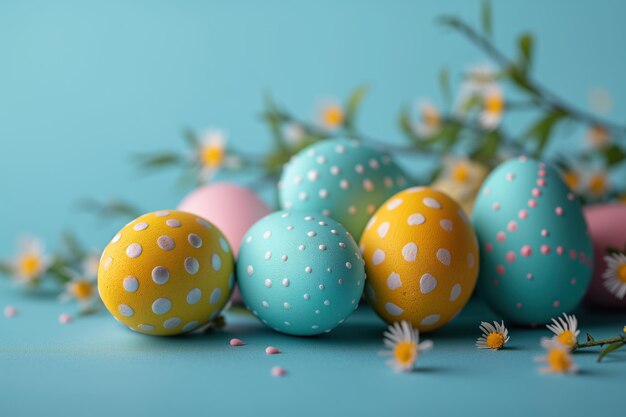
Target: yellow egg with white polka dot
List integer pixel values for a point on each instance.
(166, 273)
(421, 258)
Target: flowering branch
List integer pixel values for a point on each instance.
(613, 343)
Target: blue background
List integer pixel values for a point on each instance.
(86, 84)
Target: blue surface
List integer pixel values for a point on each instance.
(94, 366)
(86, 84)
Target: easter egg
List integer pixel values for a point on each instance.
(535, 250)
(230, 207)
(300, 272)
(421, 258)
(607, 226)
(166, 273)
(341, 179)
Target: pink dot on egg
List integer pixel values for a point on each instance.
(542, 172)
(532, 203)
(572, 253)
(65, 318)
(495, 282)
(526, 251)
(573, 281)
(496, 206)
(510, 256)
(544, 232)
(512, 226)
(570, 196)
(500, 237)
(500, 270)
(271, 350)
(556, 303)
(510, 176)
(522, 158)
(545, 249)
(582, 256)
(522, 214)
(559, 250)
(529, 276)
(10, 311)
(541, 182)
(278, 371)
(237, 342)
(536, 192)
(559, 211)
(488, 247)
(518, 305)
(487, 191)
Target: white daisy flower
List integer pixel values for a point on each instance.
(495, 336)
(294, 133)
(90, 264)
(31, 263)
(404, 346)
(615, 274)
(493, 107)
(558, 358)
(331, 115)
(80, 288)
(212, 154)
(429, 120)
(565, 330)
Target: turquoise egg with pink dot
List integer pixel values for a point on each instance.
(342, 179)
(300, 272)
(535, 249)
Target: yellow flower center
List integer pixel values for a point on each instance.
(82, 290)
(460, 173)
(567, 338)
(494, 103)
(572, 179)
(598, 183)
(404, 353)
(559, 360)
(598, 136)
(29, 266)
(212, 155)
(620, 273)
(430, 116)
(332, 116)
(495, 341)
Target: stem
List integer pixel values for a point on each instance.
(546, 96)
(621, 338)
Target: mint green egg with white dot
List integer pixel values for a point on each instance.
(342, 179)
(300, 272)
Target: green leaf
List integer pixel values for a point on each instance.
(444, 85)
(352, 105)
(614, 155)
(486, 20)
(487, 152)
(70, 242)
(525, 44)
(610, 348)
(404, 120)
(191, 138)
(160, 160)
(541, 130)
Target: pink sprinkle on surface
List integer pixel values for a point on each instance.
(572, 253)
(559, 250)
(271, 350)
(526, 251)
(559, 211)
(523, 214)
(510, 176)
(510, 256)
(545, 249)
(496, 206)
(532, 203)
(544, 232)
(512, 226)
(488, 247)
(10, 311)
(65, 318)
(279, 371)
(556, 303)
(500, 237)
(570, 196)
(541, 182)
(500, 269)
(529, 276)
(237, 342)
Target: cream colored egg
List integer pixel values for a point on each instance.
(166, 273)
(421, 258)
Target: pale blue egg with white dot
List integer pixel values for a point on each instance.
(300, 272)
(342, 179)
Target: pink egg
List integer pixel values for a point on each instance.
(607, 226)
(232, 208)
